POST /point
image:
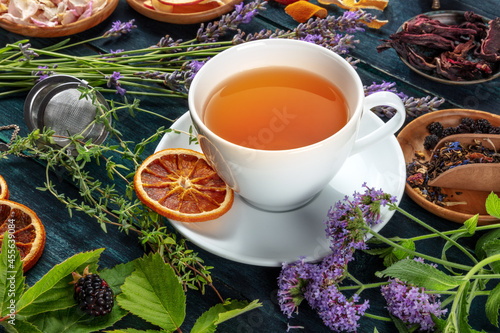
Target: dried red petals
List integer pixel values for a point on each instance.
(459, 52)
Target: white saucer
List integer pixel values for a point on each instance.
(248, 235)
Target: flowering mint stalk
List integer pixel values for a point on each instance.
(319, 284)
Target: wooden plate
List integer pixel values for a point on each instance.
(448, 17)
(411, 139)
(61, 30)
(183, 18)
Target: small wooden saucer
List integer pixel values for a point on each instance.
(411, 139)
(183, 18)
(60, 30)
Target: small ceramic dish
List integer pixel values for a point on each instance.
(183, 18)
(61, 30)
(448, 17)
(411, 139)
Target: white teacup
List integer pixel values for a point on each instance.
(280, 180)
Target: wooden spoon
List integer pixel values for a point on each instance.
(475, 176)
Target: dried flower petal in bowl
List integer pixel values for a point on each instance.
(449, 46)
(50, 18)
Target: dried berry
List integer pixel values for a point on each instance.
(435, 128)
(93, 294)
(431, 141)
(483, 126)
(449, 131)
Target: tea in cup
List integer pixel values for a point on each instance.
(277, 118)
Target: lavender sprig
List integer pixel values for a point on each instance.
(118, 28)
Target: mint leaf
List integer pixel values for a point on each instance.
(483, 240)
(471, 224)
(493, 305)
(421, 275)
(401, 254)
(72, 320)
(491, 248)
(493, 205)
(208, 321)
(154, 293)
(11, 276)
(53, 291)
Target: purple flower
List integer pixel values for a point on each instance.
(113, 82)
(118, 28)
(27, 53)
(42, 75)
(411, 304)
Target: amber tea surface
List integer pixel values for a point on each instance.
(276, 108)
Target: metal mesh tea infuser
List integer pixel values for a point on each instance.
(56, 103)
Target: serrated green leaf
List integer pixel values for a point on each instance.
(208, 321)
(11, 276)
(72, 320)
(154, 293)
(493, 305)
(486, 238)
(471, 224)
(421, 275)
(491, 248)
(52, 291)
(20, 326)
(115, 277)
(493, 205)
(401, 254)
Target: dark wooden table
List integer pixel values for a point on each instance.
(67, 235)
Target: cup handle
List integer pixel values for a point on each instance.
(384, 98)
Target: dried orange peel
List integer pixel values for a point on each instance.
(180, 184)
(4, 190)
(353, 4)
(26, 230)
(302, 10)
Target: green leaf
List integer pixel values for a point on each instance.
(407, 244)
(132, 330)
(493, 205)
(208, 321)
(115, 277)
(493, 305)
(72, 320)
(400, 325)
(52, 291)
(11, 275)
(421, 275)
(491, 248)
(471, 224)
(19, 326)
(483, 240)
(154, 293)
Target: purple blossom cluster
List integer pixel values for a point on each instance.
(113, 82)
(412, 305)
(43, 72)
(180, 80)
(319, 283)
(119, 28)
(414, 106)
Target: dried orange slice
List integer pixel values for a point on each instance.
(4, 190)
(181, 185)
(27, 230)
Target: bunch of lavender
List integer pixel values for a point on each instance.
(319, 284)
(414, 106)
(167, 68)
(413, 289)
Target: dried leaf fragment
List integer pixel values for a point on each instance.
(302, 10)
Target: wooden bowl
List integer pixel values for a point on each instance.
(61, 30)
(411, 139)
(183, 18)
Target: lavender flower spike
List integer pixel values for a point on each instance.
(118, 28)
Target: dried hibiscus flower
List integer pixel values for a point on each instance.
(465, 51)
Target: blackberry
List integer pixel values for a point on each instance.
(467, 125)
(449, 131)
(431, 141)
(93, 295)
(435, 128)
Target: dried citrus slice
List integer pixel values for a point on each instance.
(181, 185)
(27, 230)
(4, 190)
